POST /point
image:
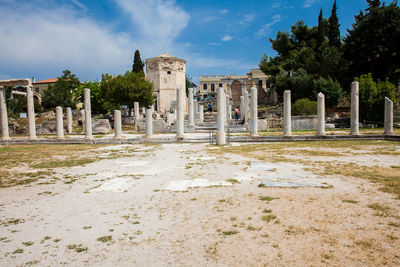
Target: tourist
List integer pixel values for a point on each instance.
(237, 114)
(209, 107)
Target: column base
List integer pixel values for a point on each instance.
(32, 138)
(287, 134)
(179, 137)
(89, 137)
(60, 138)
(389, 133)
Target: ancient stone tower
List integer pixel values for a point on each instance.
(166, 73)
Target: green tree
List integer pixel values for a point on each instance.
(126, 89)
(373, 3)
(61, 92)
(330, 88)
(304, 107)
(372, 97)
(372, 45)
(99, 105)
(138, 64)
(334, 32)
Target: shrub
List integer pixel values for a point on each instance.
(304, 106)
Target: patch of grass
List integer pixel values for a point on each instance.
(11, 221)
(381, 210)
(28, 243)
(230, 232)
(233, 181)
(104, 239)
(86, 227)
(268, 218)
(18, 251)
(63, 163)
(267, 198)
(56, 240)
(275, 245)
(267, 210)
(394, 224)
(294, 230)
(253, 228)
(212, 250)
(363, 243)
(350, 201)
(78, 248)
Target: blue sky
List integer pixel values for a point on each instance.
(43, 37)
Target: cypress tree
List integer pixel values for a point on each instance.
(137, 63)
(373, 3)
(334, 32)
(321, 29)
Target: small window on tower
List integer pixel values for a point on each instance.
(169, 72)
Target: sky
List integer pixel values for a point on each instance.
(41, 38)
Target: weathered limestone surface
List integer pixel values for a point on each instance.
(321, 114)
(15, 82)
(60, 123)
(136, 110)
(191, 108)
(31, 113)
(388, 116)
(201, 113)
(69, 120)
(118, 124)
(354, 121)
(88, 114)
(254, 113)
(180, 101)
(241, 107)
(3, 113)
(149, 122)
(143, 112)
(246, 107)
(287, 114)
(228, 108)
(221, 139)
(101, 126)
(82, 116)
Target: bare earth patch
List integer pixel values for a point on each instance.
(284, 204)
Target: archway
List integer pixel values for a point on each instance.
(236, 89)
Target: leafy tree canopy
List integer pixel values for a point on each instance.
(373, 43)
(126, 89)
(61, 92)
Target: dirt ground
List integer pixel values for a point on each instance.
(201, 205)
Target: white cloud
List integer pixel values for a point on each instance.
(224, 11)
(266, 28)
(309, 3)
(226, 38)
(249, 17)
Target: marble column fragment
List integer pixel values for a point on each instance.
(143, 112)
(354, 122)
(246, 107)
(31, 113)
(69, 120)
(82, 114)
(191, 108)
(287, 114)
(88, 114)
(321, 114)
(118, 123)
(149, 122)
(228, 109)
(254, 113)
(201, 113)
(241, 107)
(3, 113)
(388, 117)
(59, 123)
(180, 124)
(136, 110)
(220, 138)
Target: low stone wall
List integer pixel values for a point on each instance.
(304, 122)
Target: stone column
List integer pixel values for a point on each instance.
(82, 114)
(88, 114)
(241, 107)
(321, 114)
(3, 113)
(143, 112)
(354, 123)
(228, 111)
(149, 122)
(254, 113)
(287, 114)
(180, 123)
(221, 139)
(201, 113)
(388, 117)
(118, 123)
(31, 113)
(59, 123)
(191, 108)
(246, 107)
(69, 120)
(196, 111)
(136, 110)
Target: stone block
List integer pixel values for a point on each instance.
(101, 126)
(262, 125)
